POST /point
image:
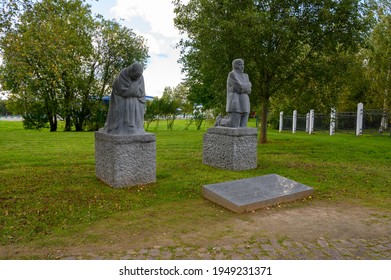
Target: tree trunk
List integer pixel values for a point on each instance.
(68, 123)
(384, 119)
(263, 125)
(53, 123)
(79, 124)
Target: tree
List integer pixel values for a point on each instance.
(10, 11)
(279, 40)
(3, 108)
(57, 55)
(115, 47)
(379, 66)
(43, 55)
(169, 106)
(152, 111)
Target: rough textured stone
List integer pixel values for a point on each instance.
(254, 193)
(125, 160)
(230, 148)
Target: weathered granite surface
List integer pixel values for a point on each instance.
(238, 91)
(127, 102)
(230, 148)
(253, 193)
(125, 160)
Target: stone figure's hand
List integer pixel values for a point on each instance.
(247, 88)
(132, 91)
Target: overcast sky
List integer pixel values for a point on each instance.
(152, 19)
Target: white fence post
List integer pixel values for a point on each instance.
(332, 121)
(294, 121)
(281, 121)
(307, 122)
(312, 119)
(360, 116)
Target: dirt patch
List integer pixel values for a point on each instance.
(203, 224)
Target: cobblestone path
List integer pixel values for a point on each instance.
(264, 249)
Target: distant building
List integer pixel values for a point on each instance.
(106, 99)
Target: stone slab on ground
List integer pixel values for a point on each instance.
(254, 193)
(125, 160)
(230, 148)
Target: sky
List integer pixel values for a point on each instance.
(154, 20)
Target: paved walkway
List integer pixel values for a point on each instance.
(262, 248)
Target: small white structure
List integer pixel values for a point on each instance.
(360, 117)
(307, 122)
(311, 122)
(294, 121)
(332, 121)
(281, 121)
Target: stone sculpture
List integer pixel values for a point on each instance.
(238, 90)
(125, 155)
(231, 144)
(127, 102)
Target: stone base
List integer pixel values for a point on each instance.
(254, 193)
(230, 148)
(125, 160)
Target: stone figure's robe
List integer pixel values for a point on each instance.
(238, 89)
(127, 105)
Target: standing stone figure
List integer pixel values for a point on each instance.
(238, 90)
(127, 102)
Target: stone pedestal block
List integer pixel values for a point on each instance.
(230, 148)
(125, 160)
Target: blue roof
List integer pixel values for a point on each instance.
(107, 98)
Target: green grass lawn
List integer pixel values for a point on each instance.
(48, 185)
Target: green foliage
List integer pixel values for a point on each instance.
(98, 116)
(116, 47)
(367, 75)
(169, 106)
(48, 187)
(152, 112)
(280, 41)
(197, 118)
(43, 54)
(3, 108)
(10, 11)
(379, 63)
(56, 53)
(35, 118)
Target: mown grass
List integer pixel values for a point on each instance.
(48, 185)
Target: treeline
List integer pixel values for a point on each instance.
(59, 60)
(172, 104)
(304, 54)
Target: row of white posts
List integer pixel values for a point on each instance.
(310, 120)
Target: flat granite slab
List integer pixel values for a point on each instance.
(254, 193)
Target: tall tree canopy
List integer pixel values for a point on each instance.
(58, 60)
(379, 66)
(43, 54)
(280, 41)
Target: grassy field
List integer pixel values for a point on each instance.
(48, 187)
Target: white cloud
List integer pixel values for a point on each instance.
(159, 14)
(162, 71)
(154, 20)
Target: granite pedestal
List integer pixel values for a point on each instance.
(253, 193)
(125, 160)
(230, 148)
